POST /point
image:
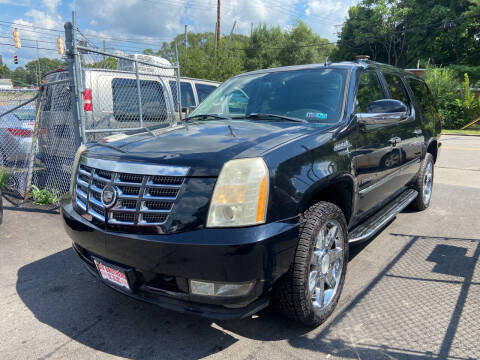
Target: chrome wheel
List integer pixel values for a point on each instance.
(428, 183)
(326, 265)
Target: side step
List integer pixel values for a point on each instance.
(373, 224)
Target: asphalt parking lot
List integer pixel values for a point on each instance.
(412, 292)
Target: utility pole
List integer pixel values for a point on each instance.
(186, 39)
(38, 66)
(104, 48)
(230, 37)
(218, 31)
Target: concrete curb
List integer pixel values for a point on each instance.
(460, 134)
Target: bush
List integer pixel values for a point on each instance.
(44, 196)
(472, 71)
(455, 100)
(4, 176)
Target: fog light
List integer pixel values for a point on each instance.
(220, 289)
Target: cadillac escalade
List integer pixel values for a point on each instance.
(256, 197)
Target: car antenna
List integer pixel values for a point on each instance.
(327, 61)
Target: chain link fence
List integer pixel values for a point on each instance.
(99, 94)
(17, 122)
(125, 93)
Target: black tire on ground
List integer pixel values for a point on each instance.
(3, 158)
(422, 201)
(1, 207)
(291, 295)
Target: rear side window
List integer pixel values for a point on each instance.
(424, 97)
(396, 88)
(125, 100)
(369, 90)
(57, 98)
(203, 91)
(186, 92)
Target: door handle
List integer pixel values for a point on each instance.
(394, 140)
(417, 132)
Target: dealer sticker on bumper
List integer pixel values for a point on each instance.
(111, 275)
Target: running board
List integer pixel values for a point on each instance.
(373, 224)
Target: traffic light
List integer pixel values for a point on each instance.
(16, 38)
(60, 45)
(15, 59)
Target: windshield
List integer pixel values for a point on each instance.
(25, 113)
(314, 95)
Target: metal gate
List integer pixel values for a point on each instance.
(99, 94)
(17, 122)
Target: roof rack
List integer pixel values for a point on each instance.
(362, 58)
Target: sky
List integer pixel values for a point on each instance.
(133, 25)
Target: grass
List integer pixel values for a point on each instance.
(461, 132)
(44, 196)
(4, 176)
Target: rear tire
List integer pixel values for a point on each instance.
(424, 184)
(309, 292)
(1, 207)
(3, 159)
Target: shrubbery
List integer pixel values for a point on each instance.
(455, 100)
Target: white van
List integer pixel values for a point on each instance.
(111, 102)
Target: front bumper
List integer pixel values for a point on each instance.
(163, 264)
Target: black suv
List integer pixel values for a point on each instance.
(256, 197)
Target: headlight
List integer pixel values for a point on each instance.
(241, 194)
(76, 161)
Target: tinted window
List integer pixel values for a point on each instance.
(125, 100)
(369, 90)
(203, 91)
(25, 113)
(397, 89)
(57, 98)
(424, 98)
(315, 95)
(186, 92)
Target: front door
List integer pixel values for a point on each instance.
(408, 133)
(377, 154)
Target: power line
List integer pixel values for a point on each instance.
(29, 47)
(27, 39)
(30, 26)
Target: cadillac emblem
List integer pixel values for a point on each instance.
(109, 196)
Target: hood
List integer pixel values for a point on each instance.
(204, 146)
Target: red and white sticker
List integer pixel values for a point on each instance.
(114, 276)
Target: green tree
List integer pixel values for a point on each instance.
(401, 32)
(303, 46)
(20, 77)
(107, 63)
(5, 72)
(44, 65)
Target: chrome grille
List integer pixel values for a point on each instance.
(145, 193)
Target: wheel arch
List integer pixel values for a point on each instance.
(432, 148)
(338, 190)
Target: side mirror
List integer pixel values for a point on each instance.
(387, 106)
(188, 109)
(385, 111)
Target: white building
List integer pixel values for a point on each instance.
(6, 84)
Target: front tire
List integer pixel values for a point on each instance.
(424, 184)
(309, 292)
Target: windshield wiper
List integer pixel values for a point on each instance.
(108, 146)
(149, 131)
(269, 116)
(206, 116)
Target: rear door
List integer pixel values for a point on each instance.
(203, 90)
(186, 92)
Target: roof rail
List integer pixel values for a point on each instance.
(362, 58)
